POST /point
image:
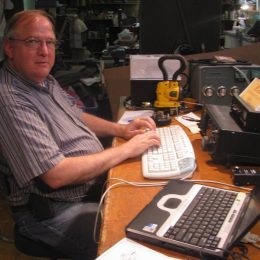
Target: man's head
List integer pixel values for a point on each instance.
(29, 44)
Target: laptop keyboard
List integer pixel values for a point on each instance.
(202, 220)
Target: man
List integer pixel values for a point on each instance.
(49, 150)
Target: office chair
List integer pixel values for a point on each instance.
(33, 248)
(22, 243)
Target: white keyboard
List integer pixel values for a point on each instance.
(175, 157)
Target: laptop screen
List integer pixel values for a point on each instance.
(252, 215)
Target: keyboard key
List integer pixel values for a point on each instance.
(199, 225)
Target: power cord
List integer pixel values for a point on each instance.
(242, 74)
(222, 183)
(228, 253)
(115, 185)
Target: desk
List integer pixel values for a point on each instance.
(124, 202)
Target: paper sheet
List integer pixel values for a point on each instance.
(193, 126)
(127, 249)
(251, 94)
(129, 116)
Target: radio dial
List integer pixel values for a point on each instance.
(234, 91)
(208, 91)
(222, 91)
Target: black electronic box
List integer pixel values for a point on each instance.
(244, 115)
(225, 140)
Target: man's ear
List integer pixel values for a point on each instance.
(8, 49)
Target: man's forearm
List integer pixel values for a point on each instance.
(76, 170)
(101, 127)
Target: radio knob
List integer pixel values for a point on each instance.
(236, 169)
(208, 91)
(234, 91)
(222, 91)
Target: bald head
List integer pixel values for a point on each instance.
(24, 18)
(29, 44)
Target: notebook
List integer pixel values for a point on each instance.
(196, 219)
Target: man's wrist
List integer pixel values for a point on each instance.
(119, 130)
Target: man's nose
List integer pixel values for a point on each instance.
(43, 48)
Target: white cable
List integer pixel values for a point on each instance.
(99, 208)
(222, 183)
(148, 184)
(241, 73)
(122, 182)
(151, 184)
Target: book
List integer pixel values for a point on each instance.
(251, 95)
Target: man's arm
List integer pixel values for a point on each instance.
(77, 170)
(103, 127)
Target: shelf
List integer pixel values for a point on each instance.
(101, 15)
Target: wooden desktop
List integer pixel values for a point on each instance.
(123, 202)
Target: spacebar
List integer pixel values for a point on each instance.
(174, 171)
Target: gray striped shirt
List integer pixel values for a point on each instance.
(39, 128)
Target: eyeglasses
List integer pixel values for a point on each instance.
(35, 43)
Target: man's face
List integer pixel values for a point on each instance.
(34, 63)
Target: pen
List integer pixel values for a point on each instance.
(190, 119)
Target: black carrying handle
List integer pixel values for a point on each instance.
(172, 57)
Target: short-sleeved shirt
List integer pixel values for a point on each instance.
(39, 127)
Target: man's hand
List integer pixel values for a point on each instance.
(138, 144)
(138, 126)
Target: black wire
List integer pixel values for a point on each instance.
(186, 84)
(244, 250)
(234, 255)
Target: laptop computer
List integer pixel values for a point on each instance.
(196, 219)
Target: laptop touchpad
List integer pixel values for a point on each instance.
(172, 203)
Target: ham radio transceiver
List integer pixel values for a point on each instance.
(225, 140)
